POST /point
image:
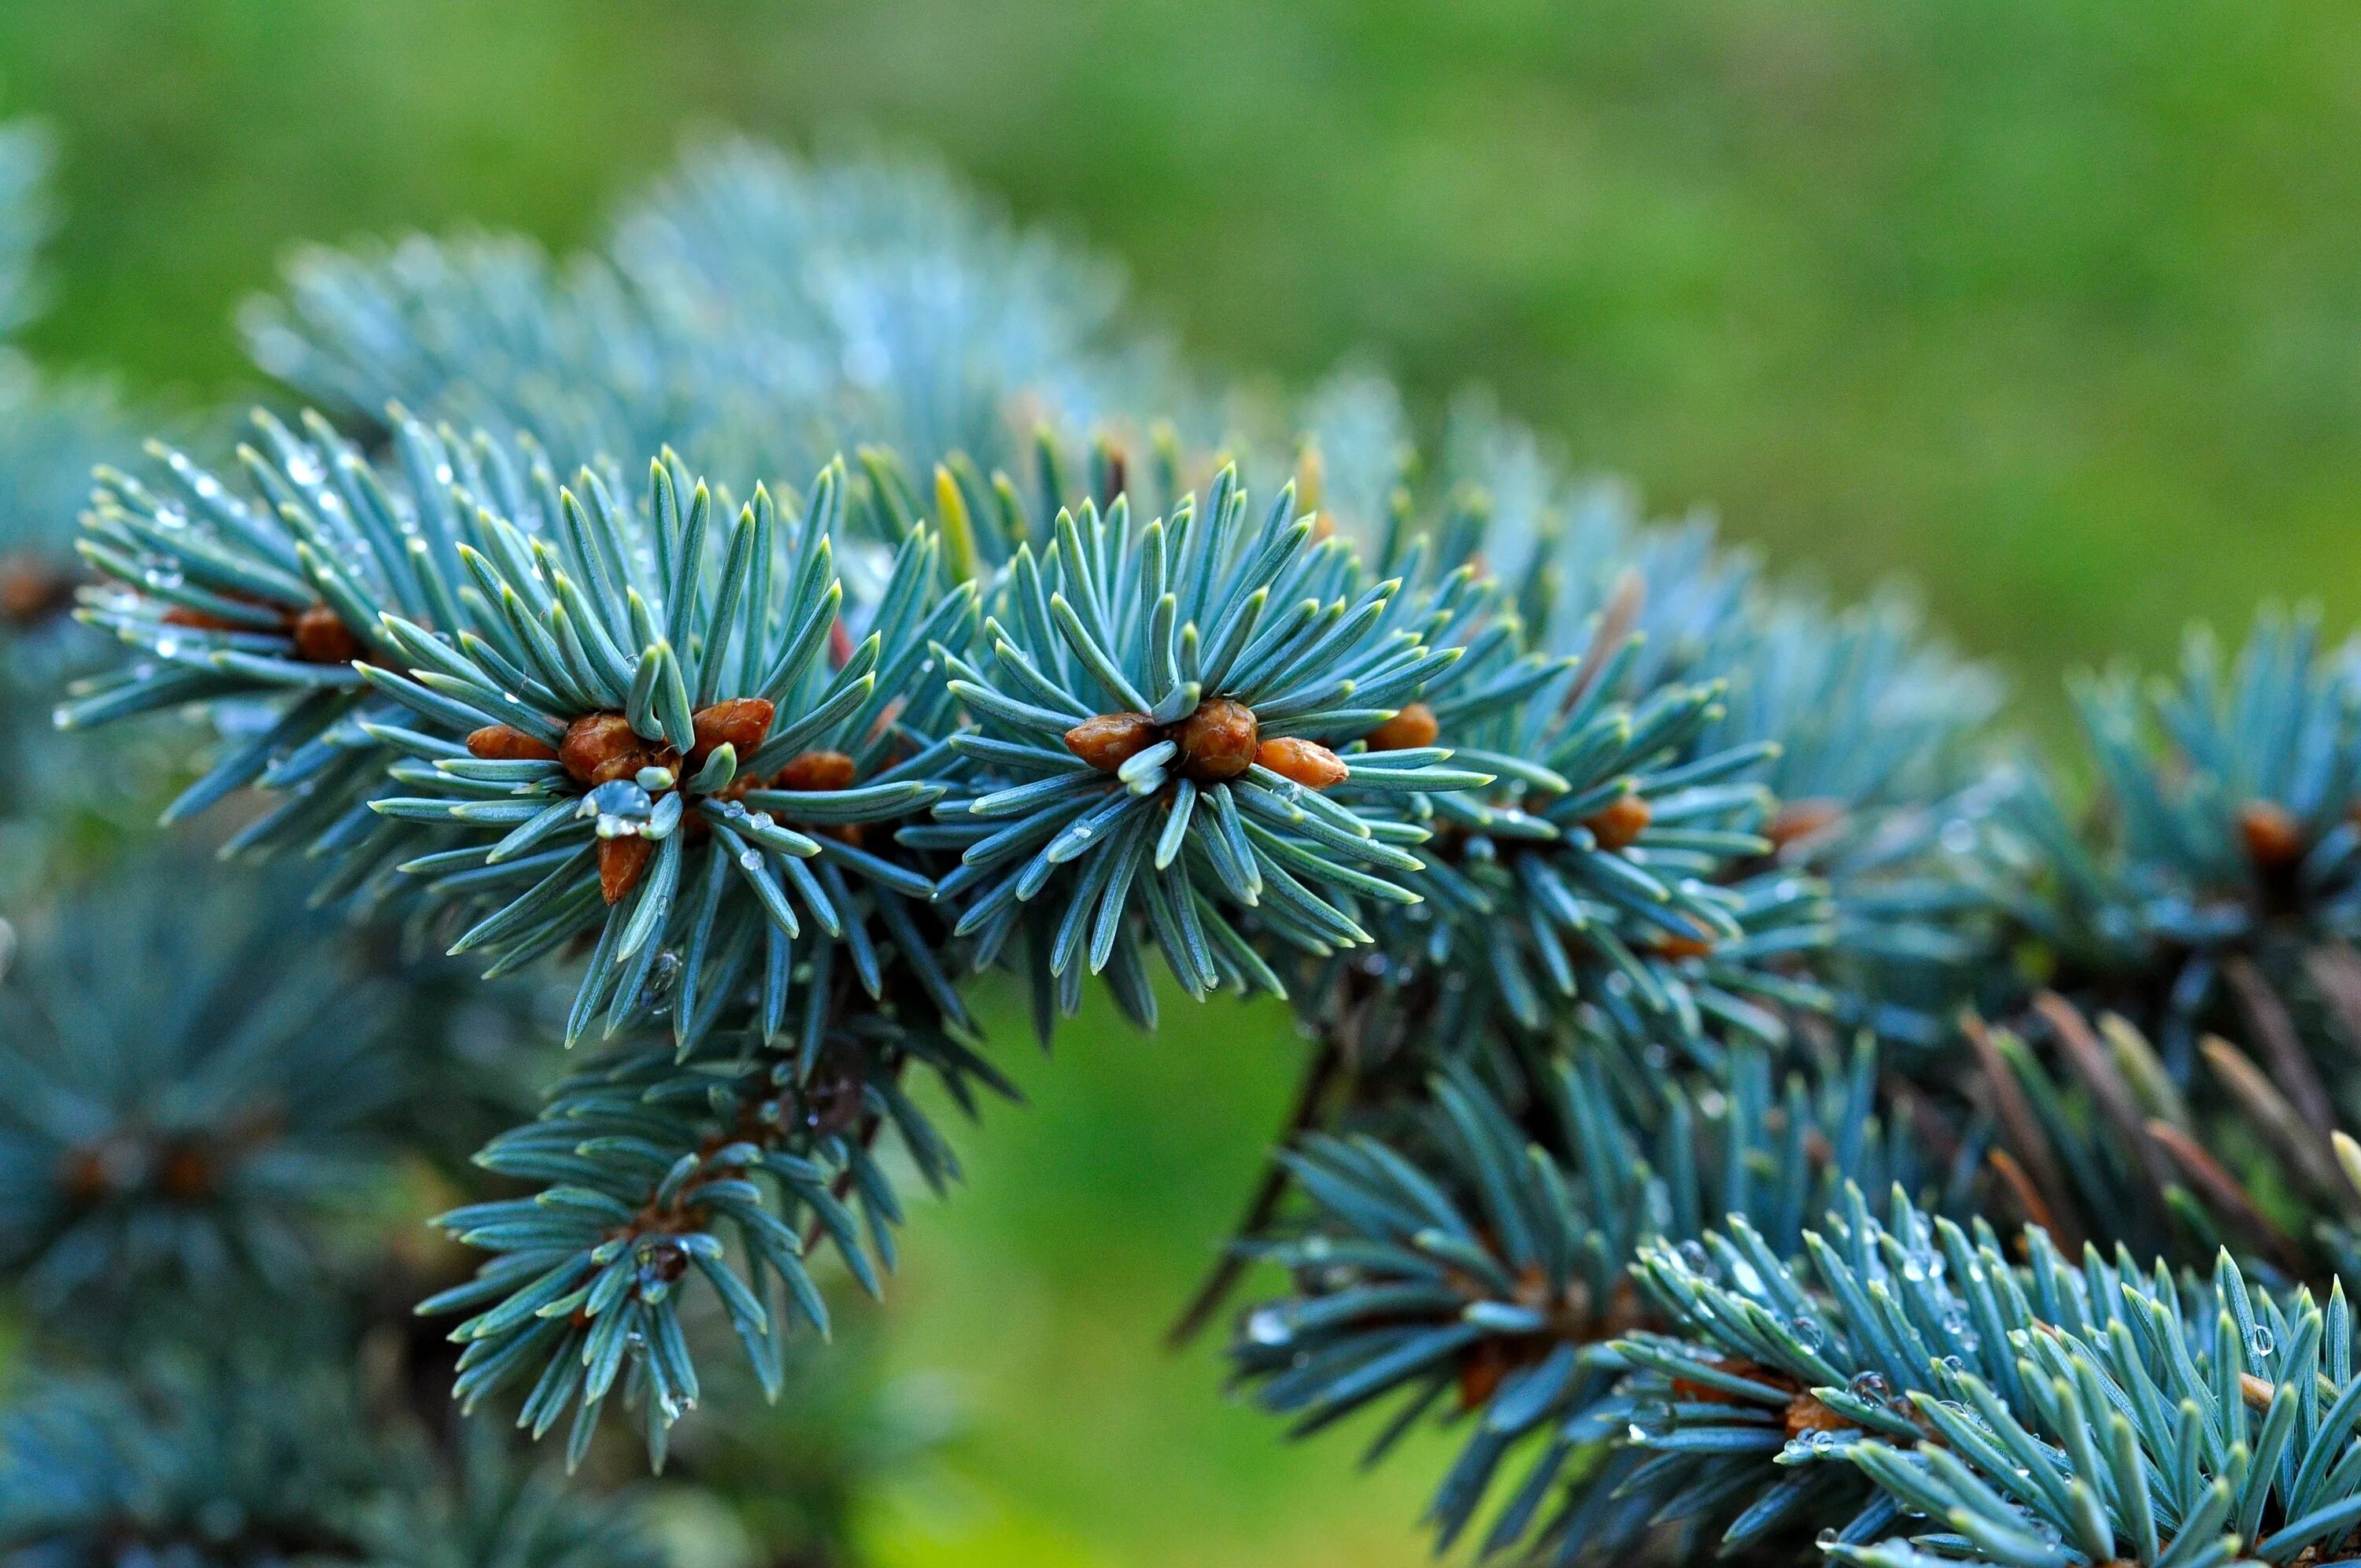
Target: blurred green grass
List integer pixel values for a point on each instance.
(2052, 304)
(1041, 1289)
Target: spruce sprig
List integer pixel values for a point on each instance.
(1182, 694)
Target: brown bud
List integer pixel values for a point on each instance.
(2274, 838)
(1673, 946)
(740, 721)
(1802, 818)
(1688, 1390)
(602, 746)
(1308, 763)
(187, 1174)
(1620, 821)
(1111, 740)
(620, 862)
(2256, 1391)
(181, 615)
(1806, 1414)
(499, 743)
(831, 1099)
(322, 638)
(1217, 741)
(1406, 731)
(669, 1260)
(83, 1173)
(1481, 1372)
(32, 587)
(815, 770)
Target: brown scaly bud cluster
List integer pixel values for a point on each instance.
(184, 1170)
(2274, 838)
(1413, 727)
(1803, 1415)
(600, 748)
(1573, 1321)
(1218, 740)
(1619, 822)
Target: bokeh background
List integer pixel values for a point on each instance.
(2053, 306)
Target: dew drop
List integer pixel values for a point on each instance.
(2259, 1342)
(1266, 1325)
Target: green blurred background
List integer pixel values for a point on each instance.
(2052, 306)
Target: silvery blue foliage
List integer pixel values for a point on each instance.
(187, 1097)
(758, 311)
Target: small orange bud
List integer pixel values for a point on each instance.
(741, 721)
(1414, 727)
(1619, 822)
(1806, 1414)
(1688, 1390)
(181, 615)
(2256, 1391)
(322, 638)
(815, 770)
(499, 743)
(1802, 818)
(1682, 946)
(602, 746)
(1111, 740)
(620, 862)
(1308, 763)
(2274, 838)
(1218, 741)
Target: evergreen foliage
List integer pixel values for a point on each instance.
(1644, 913)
